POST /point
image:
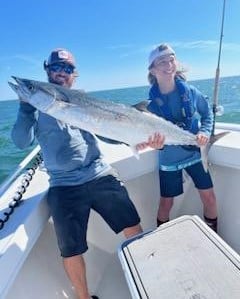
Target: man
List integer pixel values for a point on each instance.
(80, 180)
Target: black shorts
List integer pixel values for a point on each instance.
(70, 208)
(171, 182)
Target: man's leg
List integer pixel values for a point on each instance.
(70, 222)
(76, 271)
(132, 231)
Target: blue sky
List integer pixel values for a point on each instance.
(111, 40)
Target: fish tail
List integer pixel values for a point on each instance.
(205, 149)
(204, 156)
(216, 137)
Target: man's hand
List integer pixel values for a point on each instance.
(156, 141)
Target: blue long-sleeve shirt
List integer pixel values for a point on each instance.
(174, 157)
(71, 156)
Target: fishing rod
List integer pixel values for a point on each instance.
(217, 108)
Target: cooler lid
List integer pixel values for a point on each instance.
(182, 259)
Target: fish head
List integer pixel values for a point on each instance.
(36, 93)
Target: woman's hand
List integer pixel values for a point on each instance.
(155, 141)
(202, 139)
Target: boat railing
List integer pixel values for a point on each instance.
(21, 166)
(228, 126)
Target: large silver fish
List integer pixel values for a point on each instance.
(111, 120)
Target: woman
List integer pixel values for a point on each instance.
(172, 98)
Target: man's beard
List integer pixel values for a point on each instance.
(61, 82)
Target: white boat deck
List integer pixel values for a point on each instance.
(28, 250)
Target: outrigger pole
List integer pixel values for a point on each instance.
(216, 85)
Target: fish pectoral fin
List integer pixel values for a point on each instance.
(135, 152)
(204, 156)
(108, 140)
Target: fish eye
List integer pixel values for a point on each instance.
(30, 87)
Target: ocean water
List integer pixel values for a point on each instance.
(10, 155)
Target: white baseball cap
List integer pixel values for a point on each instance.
(158, 53)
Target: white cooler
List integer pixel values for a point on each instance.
(182, 259)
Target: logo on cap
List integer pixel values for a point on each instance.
(63, 54)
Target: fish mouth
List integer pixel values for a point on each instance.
(27, 87)
(31, 91)
(20, 88)
(15, 87)
(19, 82)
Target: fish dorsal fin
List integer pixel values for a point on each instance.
(142, 106)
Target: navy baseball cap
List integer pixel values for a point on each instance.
(60, 55)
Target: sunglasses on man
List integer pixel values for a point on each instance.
(59, 67)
